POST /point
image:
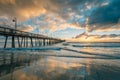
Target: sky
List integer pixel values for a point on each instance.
(73, 20)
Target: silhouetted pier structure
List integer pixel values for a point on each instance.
(24, 39)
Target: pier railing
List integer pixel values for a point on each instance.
(11, 32)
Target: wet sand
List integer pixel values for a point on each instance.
(60, 65)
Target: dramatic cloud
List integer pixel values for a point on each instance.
(52, 15)
(26, 28)
(6, 22)
(106, 17)
(97, 38)
(27, 9)
(109, 14)
(22, 9)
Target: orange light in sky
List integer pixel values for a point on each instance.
(94, 39)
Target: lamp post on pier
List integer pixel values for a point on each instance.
(15, 20)
(13, 37)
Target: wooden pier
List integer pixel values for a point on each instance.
(26, 39)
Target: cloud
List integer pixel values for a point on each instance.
(54, 22)
(106, 14)
(81, 35)
(98, 36)
(26, 28)
(53, 11)
(102, 15)
(25, 9)
(105, 17)
(110, 36)
(6, 22)
(99, 15)
(103, 28)
(84, 37)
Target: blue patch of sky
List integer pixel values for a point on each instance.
(28, 22)
(75, 19)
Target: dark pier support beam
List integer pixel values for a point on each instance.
(5, 41)
(35, 42)
(18, 42)
(44, 42)
(47, 41)
(13, 41)
(21, 41)
(26, 41)
(50, 41)
(40, 43)
(31, 42)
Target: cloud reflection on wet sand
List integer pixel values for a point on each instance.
(50, 69)
(63, 65)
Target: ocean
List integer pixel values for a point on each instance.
(64, 61)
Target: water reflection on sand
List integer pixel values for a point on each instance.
(55, 65)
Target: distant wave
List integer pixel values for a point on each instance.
(96, 45)
(96, 54)
(73, 56)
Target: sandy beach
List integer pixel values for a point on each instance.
(64, 62)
